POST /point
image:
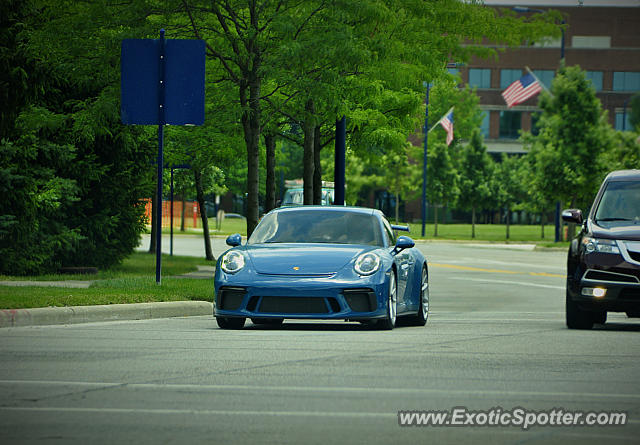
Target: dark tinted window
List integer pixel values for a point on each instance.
(312, 226)
(620, 203)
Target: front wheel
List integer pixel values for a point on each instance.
(389, 322)
(577, 318)
(420, 319)
(230, 323)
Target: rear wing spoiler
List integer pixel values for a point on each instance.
(401, 228)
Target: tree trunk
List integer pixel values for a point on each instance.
(317, 169)
(251, 127)
(473, 222)
(508, 220)
(203, 214)
(308, 165)
(152, 242)
(182, 214)
(435, 220)
(542, 225)
(397, 207)
(270, 144)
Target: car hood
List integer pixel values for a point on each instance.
(625, 232)
(295, 259)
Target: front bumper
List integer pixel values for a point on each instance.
(615, 275)
(268, 296)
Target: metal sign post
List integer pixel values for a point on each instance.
(162, 83)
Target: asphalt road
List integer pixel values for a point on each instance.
(495, 338)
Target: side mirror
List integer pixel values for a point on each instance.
(403, 242)
(572, 216)
(234, 240)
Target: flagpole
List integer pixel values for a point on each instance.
(544, 87)
(445, 115)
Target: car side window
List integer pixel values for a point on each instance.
(389, 236)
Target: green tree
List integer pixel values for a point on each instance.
(574, 132)
(476, 169)
(509, 186)
(442, 179)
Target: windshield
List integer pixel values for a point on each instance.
(620, 203)
(308, 226)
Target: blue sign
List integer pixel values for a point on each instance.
(182, 70)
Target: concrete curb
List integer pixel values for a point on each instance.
(110, 312)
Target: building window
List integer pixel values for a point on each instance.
(626, 81)
(622, 123)
(507, 77)
(545, 76)
(591, 42)
(480, 78)
(535, 118)
(510, 124)
(484, 126)
(596, 79)
(454, 71)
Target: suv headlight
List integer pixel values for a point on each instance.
(232, 261)
(600, 245)
(367, 263)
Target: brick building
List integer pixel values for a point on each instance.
(602, 40)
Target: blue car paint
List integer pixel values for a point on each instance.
(269, 272)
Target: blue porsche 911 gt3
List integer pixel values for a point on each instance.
(324, 262)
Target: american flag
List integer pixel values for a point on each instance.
(447, 124)
(522, 89)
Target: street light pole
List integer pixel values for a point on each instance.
(424, 161)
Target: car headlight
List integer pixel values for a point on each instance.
(232, 261)
(600, 245)
(367, 263)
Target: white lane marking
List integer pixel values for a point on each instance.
(202, 412)
(215, 412)
(320, 389)
(519, 283)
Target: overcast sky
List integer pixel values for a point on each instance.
(564, 2)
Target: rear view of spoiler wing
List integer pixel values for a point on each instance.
(401, 228)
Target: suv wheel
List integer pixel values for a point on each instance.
(576, 317)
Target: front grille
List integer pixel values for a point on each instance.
(361, 300)
(230, 298)
(293, 305)
(629, 294)
(635, 256)
(600, 275)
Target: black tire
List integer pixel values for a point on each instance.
(268, 321)
(230, 323)
(577, 318)
(600, 317)
(421, 317)
(389, 322)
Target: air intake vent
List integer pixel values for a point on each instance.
(230, 298)
(600, 275)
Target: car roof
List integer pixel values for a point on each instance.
(623, 175)
(328, 209)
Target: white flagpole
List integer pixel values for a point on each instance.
(544, 87)
(445, 115)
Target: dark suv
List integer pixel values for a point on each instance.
(603, 269)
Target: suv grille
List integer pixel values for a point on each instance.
(600, 275)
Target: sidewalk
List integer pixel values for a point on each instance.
(109, 312)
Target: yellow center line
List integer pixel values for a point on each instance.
(510, 272)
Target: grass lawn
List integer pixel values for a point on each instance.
(484, 232)
(133, 281)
